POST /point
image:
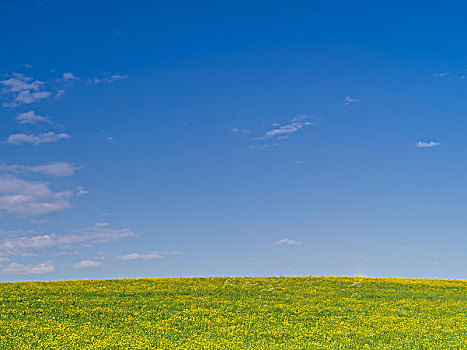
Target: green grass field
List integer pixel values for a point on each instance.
(235, 313)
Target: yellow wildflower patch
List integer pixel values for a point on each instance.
(235, 313)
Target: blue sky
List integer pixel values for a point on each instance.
(174, 138)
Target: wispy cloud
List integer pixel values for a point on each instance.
(32, 118)
(101, 224)
(135, 256)
(149, 256)
(59, 93)
(20, 269)
(244, 131)
(115, 77)
(295, 125)
(283, 131)
(85, 264)
(58, 169)
(40, 244)
(444, 74)
(69, 76)
(80, 191)
(20, 89)
(427, 144)
(18, 139)
(26, 199)
(287, 241)
(348, 100)
(108, 79)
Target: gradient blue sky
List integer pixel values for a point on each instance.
(181, 138)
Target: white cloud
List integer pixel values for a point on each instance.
(284, 130)
(18, 139)
(38, 221)
(29, 246)
(115, 77)
(100, 257)
(441, 74)
(80, 191)
(32, 118)
(69, 76)
(100, 234)
(427, 144)
(27, 97)
(288, 242)
(237, 130)
(60, 93)
(58, 169)
(348, 100)
(287, 129)
(20, 269)
(20, 82)
(84, 264)
(14, 168)
(25, 198)
(20, 89)
(109, 79)
(135, 256)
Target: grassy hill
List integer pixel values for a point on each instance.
(235, 313)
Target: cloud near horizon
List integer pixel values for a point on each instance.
(149, 256)
(20, 269)
(40, 244)
(85, 264)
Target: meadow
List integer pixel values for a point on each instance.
(235, 313)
